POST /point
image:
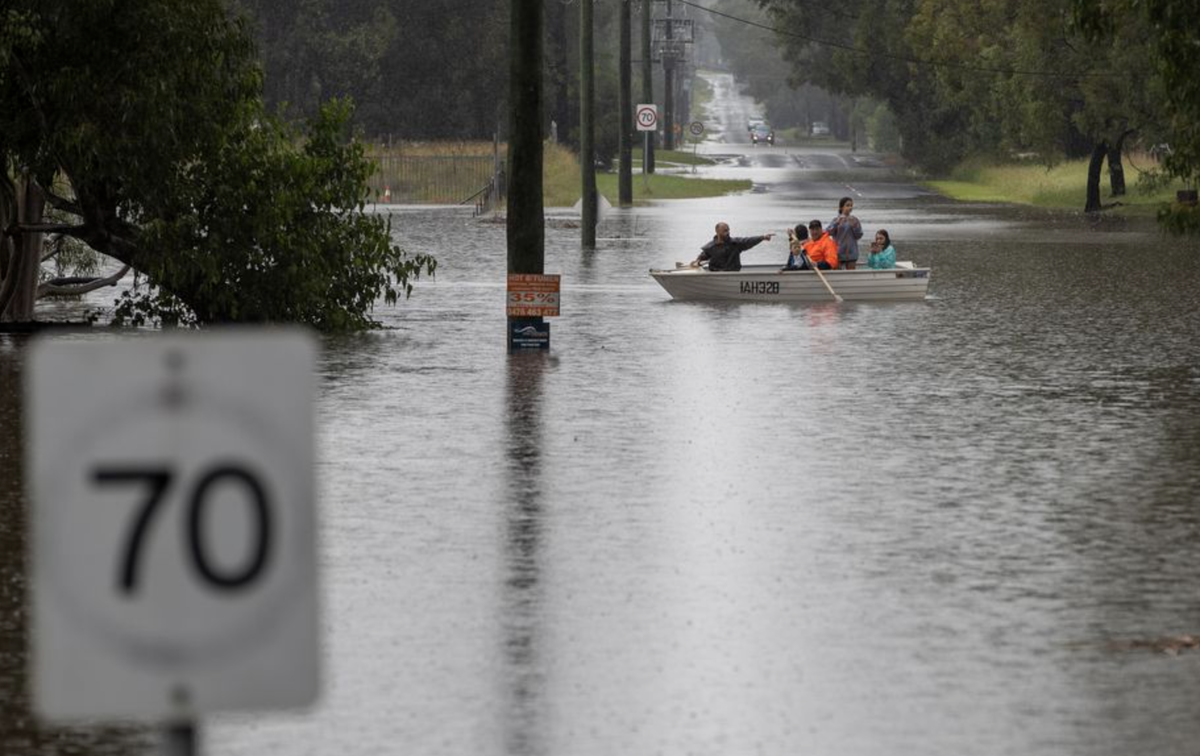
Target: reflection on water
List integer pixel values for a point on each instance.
(839, 529)
(521, 595)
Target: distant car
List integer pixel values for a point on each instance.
(820, 128)
(762, 133)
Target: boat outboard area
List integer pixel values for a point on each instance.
(767, 283)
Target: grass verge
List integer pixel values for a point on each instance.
(678, 157)
(1061, 187)
(562, 183)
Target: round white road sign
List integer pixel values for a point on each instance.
(646, 117)
(174, 568)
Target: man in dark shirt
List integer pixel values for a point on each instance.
(724, 252)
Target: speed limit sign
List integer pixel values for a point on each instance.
(173, 549)
(646, 117)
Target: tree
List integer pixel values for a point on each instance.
(143, 123)
(418, 69)
(993, 78)
(1170, 47)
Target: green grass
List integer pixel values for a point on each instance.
(679, 157)
(664, 186)
(562, 182)
(1062, 187)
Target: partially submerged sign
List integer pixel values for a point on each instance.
(173, 498)
(525, 335)
(533, 295)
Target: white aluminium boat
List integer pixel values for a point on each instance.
(765, 283)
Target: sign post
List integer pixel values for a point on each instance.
(646, 118)
(697, 130)
(174, 569)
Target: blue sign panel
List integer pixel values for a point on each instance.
(526, 335)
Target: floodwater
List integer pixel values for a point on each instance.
(920, 528)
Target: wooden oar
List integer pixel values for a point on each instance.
(821, 276)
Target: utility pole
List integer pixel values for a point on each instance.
(668, 58)
(625, 106)
(647, 82)
(526, 223)
(587, 125)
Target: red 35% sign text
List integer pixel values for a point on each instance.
(532, 295)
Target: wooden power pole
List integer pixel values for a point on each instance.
(647, 80)
(625, 105)
(587, 124)
(526, 224)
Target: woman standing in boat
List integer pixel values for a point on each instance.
(724, 252)
(846, 231)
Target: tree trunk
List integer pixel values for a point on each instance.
(19, 290)
(1099, 151)
(1116, 170)
(526, 225)
(7, 213)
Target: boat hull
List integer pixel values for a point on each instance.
(765, 283)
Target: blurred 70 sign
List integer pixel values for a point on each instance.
(157, 482)
(174, 531)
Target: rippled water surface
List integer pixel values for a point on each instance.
(740, 528)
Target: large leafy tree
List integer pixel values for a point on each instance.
(141, 125)
(1169, 50)
(416, 69)
(996, 77)
(1028, 82)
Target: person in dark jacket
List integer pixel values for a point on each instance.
(724, 252)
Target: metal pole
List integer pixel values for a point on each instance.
(647, 156)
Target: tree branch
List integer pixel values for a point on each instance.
(65, 287)
(43, 228)
(64, 204)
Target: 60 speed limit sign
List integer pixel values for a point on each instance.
(173, 499)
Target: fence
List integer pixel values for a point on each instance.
(432, 179)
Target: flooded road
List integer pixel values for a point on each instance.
(916, 528)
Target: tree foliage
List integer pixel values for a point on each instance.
(1169, 46)
(144, 122)
(991, 77)
(416, 69)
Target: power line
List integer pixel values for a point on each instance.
(901, 58)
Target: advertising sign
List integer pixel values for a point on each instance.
(532, 295)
